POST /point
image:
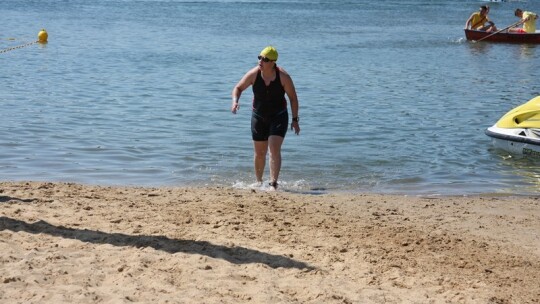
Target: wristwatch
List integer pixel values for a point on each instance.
(297, 119)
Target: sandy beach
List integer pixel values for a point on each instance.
(71, 243)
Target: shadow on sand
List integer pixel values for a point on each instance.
(4, 199)
(236, 255)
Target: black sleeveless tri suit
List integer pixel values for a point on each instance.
(270, 116)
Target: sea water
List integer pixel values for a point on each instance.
(393, 99)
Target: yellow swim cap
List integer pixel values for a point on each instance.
(270, 52)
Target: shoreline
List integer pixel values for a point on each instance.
(244, 186)
(67, 242)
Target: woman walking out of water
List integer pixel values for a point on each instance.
(270, 118)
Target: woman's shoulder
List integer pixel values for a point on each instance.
(283, 72)
(252, 73)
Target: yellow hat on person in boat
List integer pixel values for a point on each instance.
(270, 52)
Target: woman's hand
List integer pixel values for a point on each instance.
(235, 106)
(296, 126)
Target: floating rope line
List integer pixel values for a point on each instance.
(18, 47)
(42, 38)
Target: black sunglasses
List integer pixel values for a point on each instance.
(264, 58)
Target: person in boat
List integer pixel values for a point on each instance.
(479, 21)
(529, 22)
(269, 118)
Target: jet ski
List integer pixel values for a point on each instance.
(518, 131)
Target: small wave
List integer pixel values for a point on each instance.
(294, 186)
(458, 40)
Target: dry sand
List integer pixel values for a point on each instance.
(71, 243)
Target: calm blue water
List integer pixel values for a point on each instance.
(393, 99)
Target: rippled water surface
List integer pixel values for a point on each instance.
(393, 98)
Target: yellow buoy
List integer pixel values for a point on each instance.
(43, 36)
